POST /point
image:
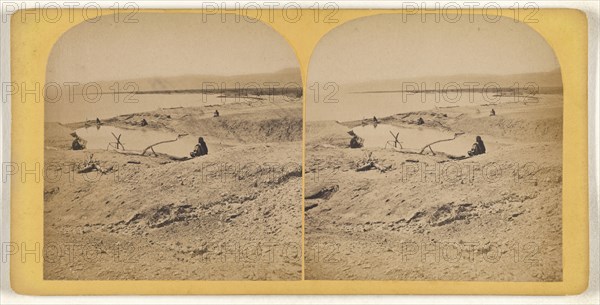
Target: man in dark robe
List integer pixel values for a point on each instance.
(478, 147)
(200, 149)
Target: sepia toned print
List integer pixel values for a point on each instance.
(433, 152)
(174, 151)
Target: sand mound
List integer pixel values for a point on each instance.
(515, 127)
(57, 136)
(245, 130)
(274, 122)
(320, 191)
(328, 133)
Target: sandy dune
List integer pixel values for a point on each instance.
(427, 218)
(234, 214)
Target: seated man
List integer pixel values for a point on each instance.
(200, 149)
(356, 142)
(478, 147)
(77, 144)
(216, 114)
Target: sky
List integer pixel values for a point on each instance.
(385, 47)
(380, 52)
(167, 45)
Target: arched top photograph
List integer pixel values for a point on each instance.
(168, 122)
(435, 131)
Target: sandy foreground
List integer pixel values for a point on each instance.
(493, 217)
(234, 214)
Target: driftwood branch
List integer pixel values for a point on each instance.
(118, 140)
(372, 164)
(91, 165)
(151, 147)
(96, 167)
(438, 141)
(396, 142)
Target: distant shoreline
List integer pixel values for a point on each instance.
(501, 90)
(224, 92)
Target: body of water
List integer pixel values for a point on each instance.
(345, 107)
(413, 139)
(137, 140)
(84, 108)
